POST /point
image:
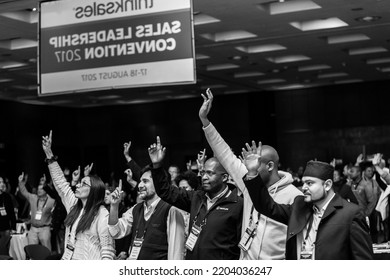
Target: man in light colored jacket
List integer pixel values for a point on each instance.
(262, 238)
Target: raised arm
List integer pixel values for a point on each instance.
(59, 181)
(119, 227)
(178, 197)
(262, 201)
(376, 162)
(115, 199)
(221, 149)
(131, 163)
(22, 180)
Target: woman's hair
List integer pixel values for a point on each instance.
(94, 201)
(190, 177)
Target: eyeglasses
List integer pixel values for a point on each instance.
(83, 184)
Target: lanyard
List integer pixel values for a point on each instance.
(43, 203)
(251, 217)
(204, 221)
(73, 228)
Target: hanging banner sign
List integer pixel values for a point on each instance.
(93, 45)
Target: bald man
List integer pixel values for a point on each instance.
(262, 238)
(215, 211)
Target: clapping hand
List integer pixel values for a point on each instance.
(251, 158)
(156, 153)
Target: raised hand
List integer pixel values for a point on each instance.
(116, 195)
(201, 159)
(46, 145)
(129, 178)
(251, 158)
(333, 162)
(22, 179)
(156, 153)
(76, 175)
(126, 148)
(129, 174)
(87, 169)
(359, 159)
(188, 165)
(377, 159)
(206, 107)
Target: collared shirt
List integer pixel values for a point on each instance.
(312, 226)
(212, 201)
(175, 228)
(149, 210)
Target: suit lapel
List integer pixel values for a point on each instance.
(335, 203)
(299, 219)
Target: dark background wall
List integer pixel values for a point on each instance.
(333, 122)
(322, 123)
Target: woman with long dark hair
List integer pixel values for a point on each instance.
(86, 236)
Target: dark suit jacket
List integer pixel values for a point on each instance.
(342, 234)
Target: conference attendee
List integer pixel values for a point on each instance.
(215, 211)
(383, 202)
(262, 237)
(156, 228)
(341, 187)
(7, 215)
(86, 234)
(362, 190)
(42, 206)
(174, 171)
(321, 224)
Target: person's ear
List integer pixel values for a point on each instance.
(328, 184)
(270, 166)
(225, 177)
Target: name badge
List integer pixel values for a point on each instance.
(136, 248)
(68, 254)
(3, 212)
(38, 215)
(247, 239)
(193, 237)
(307, 252)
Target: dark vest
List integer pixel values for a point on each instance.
(155, 244)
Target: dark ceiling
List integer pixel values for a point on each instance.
(284, 50)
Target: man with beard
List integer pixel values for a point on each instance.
(156, 228)
(321, 225)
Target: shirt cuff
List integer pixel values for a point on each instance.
(249, 177)
(114, 230)
(207, 127)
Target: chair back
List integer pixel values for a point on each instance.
(36, 252)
